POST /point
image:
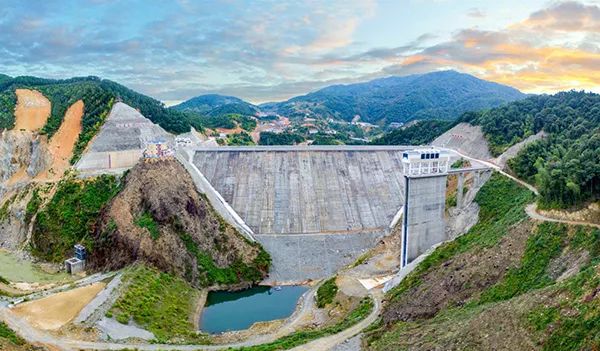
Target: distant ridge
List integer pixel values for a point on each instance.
(436, 95)
(216, 105)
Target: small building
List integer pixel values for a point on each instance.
(74, 265)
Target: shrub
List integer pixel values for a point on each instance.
(326, 292)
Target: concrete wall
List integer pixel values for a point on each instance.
(213, 196)
(423, 222)
(295, 191)
(314, 209)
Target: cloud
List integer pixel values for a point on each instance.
(476, 13)
(272, 50)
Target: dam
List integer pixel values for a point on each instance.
(315, 209)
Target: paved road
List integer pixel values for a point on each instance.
(531, 210)
(331, 341)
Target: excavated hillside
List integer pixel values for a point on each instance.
(159, 217)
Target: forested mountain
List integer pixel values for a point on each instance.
(217, 105)
(565, 166)
(436, 95)
(420, 133)
(96, 94)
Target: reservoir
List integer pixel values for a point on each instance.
(227, 311)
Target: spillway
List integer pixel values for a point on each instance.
(315, 209)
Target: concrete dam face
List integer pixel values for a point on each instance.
(315, 209)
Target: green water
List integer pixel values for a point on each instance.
(226, 311)
(16, 269)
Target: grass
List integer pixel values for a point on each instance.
(502, 204)
(545, 244)
(145, 220)
(4, 280)
(304, 336)
(160, 303)
(7, 334)
(326, 292)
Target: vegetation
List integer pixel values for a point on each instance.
(564, 165)
(160, 303)
(326, 292)
(304, 336)
(7, 334)
(33, 205)
(240, 139)
(145, 220)
(4, 280)
(235, 273)
(420, 133)
(544, 245)
(69, 217)
(285, 138)
(4, 212)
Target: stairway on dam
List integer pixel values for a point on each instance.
(314, 209)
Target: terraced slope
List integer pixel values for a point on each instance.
(121, 141)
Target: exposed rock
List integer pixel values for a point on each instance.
(184, 219)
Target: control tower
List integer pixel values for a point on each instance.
(425, 171)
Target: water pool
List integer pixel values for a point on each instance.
(226, 311)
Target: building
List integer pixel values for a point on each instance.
(76, 265)
(158, 149)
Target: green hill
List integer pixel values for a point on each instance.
(436, 95)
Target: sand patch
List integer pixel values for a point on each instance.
(53, 312)
(63, 141)
(32, 111)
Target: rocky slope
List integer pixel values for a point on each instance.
(160, 218)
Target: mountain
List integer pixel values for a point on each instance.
(217, 105)
(97, 94)
(436, 95)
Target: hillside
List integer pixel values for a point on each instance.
(215, 105)
(509, 283)
(436, 95)
(158, 217)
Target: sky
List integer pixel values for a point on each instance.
(273, 50)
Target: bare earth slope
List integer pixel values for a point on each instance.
(62, 143)
(32, 111)
(161, 219)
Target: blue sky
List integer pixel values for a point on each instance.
(272, 50)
